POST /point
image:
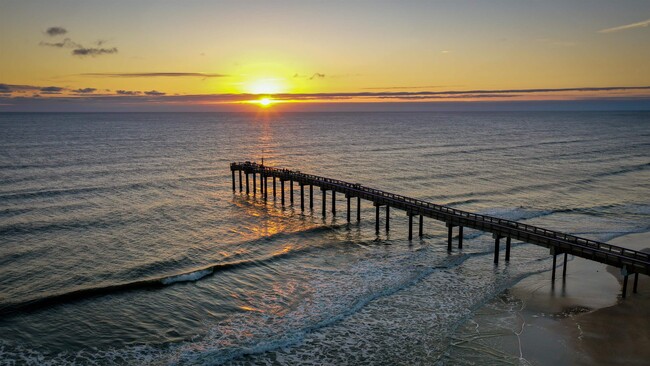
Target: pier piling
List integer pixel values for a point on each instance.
(636, 282)
(460, 237)
(377, 219)
(311, 197)
(508, 240)
(497, 239)
(266, 189)
(450, 228)
(282, 190)
(625, 285)
(410, 225)
(324, 201)
(274, 187)
(254, 184)
(240, 183)
(233, 182)
(333, 203)
(348, 212)
(291, 192)
(387, 218)
(302, 197)
(358, 208)
(554, 263)
(564, 266)
(421, 227)
(247, 190)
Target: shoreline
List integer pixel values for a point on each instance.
(578, 320)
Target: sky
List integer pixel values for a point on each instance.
(191, 55)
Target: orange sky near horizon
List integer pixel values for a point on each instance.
(225, 52)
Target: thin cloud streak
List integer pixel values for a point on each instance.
(80, 50)
(83, 51)
(162, 97)
(153, 74)
(642, 24)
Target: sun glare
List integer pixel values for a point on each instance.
(265, 102)
(266, 86)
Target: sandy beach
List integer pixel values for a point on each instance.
(578, 320)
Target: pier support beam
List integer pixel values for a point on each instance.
(450, 229)
(387, 218)
(377, 219)
(348, 212)
(636, 282)
(311, 197)
(291, 191)
(421, 226)
(497, 239)
(254, 184)
(282, 191)
(241, 184)
(460, 237)
(333, 203)
(262, 180)
(247, 190)
(234, 189)
(358, 208)
(274, 187)
(554, 263)
(302, 197)
(564, 266)
(266, 188)
(508, 242)
(324, 201)
(410, 225)
(625, 285)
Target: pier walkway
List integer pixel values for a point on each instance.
(629, 261)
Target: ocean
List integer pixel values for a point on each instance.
(122, 242)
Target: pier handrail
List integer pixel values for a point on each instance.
(417, 205)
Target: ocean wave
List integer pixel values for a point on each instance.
(149, 283)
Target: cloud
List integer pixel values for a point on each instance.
(151, 97)
(154, 74)
(85, 90)
(56, 31)
(9, 88)
(51, 90)
(127, 92)
(80, 50)
(317, 75)
(66, 43)
(408, 87)
(83, 51)
(154, 93)
(642, 24)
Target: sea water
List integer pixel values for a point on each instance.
(122, 242)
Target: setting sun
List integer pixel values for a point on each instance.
(265, 102)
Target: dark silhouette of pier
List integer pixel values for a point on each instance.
(629, 261)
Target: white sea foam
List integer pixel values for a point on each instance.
(187, 277)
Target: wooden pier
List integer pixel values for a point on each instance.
(631, 262)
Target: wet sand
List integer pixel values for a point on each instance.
(578, 320)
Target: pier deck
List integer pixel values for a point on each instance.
(630, 261)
